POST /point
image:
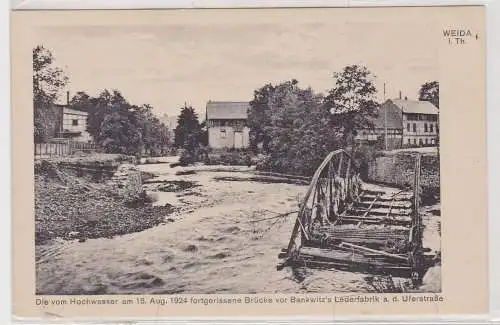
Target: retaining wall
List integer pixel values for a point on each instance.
(398, 170)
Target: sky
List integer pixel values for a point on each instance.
(168, 64)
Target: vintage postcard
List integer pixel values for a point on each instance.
(273, 162)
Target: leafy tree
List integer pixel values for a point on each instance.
(352, 102)
(298, 128)
(429, 91)
(82, 101)
(119, 134)
(120, 127)
(188, 130)
(260, 112)
(48, 81)
(106, 103)
(155, 134)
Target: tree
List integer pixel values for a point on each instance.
(48, 81)
(106, 103)
(352, 102)
(429, 91)
(188, 130)
(297, 127)
(155, 135)
(260, 112)
(82, 101)
(120, 134)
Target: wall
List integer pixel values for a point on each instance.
(71, 115)
(397, 169)
(219, 139)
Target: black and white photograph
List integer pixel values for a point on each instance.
(241, 156)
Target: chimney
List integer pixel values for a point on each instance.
(400, 94)
(67, 98)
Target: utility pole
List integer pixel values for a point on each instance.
(385, 121)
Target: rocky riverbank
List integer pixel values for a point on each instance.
(71, 207)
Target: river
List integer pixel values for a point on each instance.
(213, 244)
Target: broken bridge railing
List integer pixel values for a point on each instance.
(335, 185)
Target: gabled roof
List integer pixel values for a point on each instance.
(416, 106)
(227, 110)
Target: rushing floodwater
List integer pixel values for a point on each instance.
(210, 246)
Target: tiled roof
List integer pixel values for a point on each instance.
(416, 106)
(227, 110)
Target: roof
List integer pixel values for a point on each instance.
(416, 106)
(227, 110)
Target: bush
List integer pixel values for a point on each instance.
(230, 157)
(187, 158)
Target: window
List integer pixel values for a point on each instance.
(223, 123)
(223, 133)
(408, 127)
(414, 127)
(412, 117)
(420, 142)
(409, 141)
(414, 141)
(425, 127)
(75, 122)
(431, 127)
(426, 141)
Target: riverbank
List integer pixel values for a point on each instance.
(72, 207)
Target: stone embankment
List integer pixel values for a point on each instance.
(397, 169)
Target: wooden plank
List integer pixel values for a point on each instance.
(400, 270)
(387, 204)
(347, 256)
(387, 197)
(374, 251)
(383, 211)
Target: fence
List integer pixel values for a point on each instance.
(62, 148)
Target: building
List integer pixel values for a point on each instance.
(403, 123)
(227, 124)
(72, 124)
(68, 123)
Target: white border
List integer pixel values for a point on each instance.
(158, 4)
(493, 129)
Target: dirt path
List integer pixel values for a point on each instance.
(212, 246)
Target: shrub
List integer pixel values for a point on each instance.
(230, 157)
(187, 158)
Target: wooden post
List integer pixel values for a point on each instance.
(340, 165)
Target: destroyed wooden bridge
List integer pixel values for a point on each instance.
(344, 223)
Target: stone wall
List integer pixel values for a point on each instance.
(398, 170)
